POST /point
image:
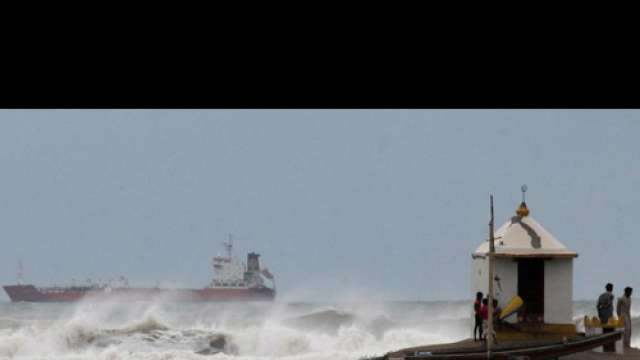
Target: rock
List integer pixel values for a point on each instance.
(218, 342)
(208, 351)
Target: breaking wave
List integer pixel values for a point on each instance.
(306, 331)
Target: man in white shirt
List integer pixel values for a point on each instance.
(623, 308)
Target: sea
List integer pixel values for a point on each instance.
(252, 330)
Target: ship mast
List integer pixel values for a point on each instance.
(492, 250)
(229, 245)
(20, 272)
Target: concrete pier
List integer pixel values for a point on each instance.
(583, 351)
(629, 354)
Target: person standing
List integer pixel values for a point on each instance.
(605, 304)
(477, 306)
(623, 308)
(605, 311)
(484, 312)
(496, 312)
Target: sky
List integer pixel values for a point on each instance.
(341, 204)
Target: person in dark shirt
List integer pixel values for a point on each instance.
(477, 305)
(605, 311)
(605, 304)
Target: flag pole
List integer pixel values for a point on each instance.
(492, 250)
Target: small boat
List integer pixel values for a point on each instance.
(531, 350)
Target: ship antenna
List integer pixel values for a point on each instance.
(20, 272)
(229, 245)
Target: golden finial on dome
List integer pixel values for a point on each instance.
(522, 210)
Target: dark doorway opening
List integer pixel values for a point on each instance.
(531, 289)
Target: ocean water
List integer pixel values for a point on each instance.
(279, 330)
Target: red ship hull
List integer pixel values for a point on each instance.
(30, 293)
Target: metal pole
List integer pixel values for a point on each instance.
(492, 250)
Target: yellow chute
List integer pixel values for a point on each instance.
(513, 306)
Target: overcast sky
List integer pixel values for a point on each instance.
(339, 203)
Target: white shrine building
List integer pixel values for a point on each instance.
(532, 263)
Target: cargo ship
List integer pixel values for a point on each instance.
(233, 280)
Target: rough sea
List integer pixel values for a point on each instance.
(279, 330)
